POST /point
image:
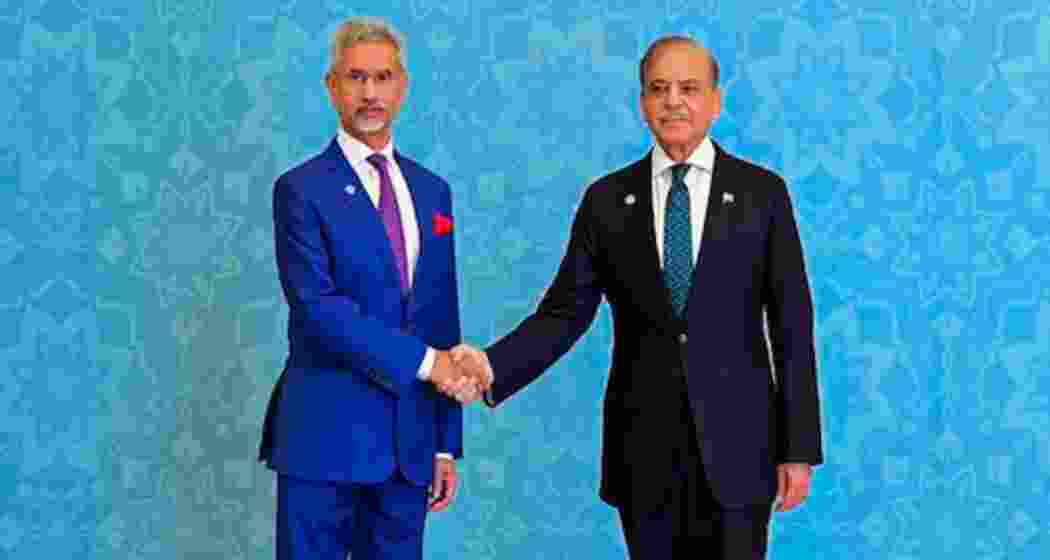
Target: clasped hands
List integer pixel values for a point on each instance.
(462, 373)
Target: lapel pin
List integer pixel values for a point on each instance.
(727, 198)
(628, 200)
(350, 189)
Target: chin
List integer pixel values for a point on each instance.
(366, 126)
(675, 139)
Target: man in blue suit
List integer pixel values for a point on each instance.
(697, 253)
(361, 424)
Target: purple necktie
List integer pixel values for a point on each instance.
(391, 216)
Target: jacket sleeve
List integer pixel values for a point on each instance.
(566, 311)
(332, 321)
(789, 308)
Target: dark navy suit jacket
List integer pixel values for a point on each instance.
(349, 406)
(750, 265)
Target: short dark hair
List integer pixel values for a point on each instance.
(676, 40)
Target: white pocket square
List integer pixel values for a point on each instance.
(727, 198)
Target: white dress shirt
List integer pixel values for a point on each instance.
(697, 180)
(356, 153)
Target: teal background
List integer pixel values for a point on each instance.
(141, 322)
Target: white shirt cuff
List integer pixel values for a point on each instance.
(426, 365)
(445, 456)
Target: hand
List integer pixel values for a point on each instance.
(793, 481)
(443, 490)
(476, 363)
(466, 389)
(451, 380)
(445, 375)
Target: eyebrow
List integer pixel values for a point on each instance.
(686, 81)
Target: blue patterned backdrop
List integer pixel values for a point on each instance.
(141, 322)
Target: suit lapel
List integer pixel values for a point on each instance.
(425, 206)
(714, 231)
(645, 254)
(361, 210)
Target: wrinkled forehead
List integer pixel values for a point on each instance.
(679, 61)
(373, 56)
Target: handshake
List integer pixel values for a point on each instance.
(462, 373)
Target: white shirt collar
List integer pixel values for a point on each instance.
(357, 151)
(703, 157)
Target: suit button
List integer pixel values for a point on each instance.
(683, 338)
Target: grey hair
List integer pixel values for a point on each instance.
(366, 29)
(676, 40)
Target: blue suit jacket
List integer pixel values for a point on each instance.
(349, 406)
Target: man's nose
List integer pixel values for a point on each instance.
(369, 89)
(672, 98)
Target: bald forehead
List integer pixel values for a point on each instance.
(687, 52)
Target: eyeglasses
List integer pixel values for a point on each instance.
(358, 78)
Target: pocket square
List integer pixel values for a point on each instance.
(442, 224)
(727, 198)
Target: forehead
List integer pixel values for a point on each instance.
(370, 55)
(678, 62)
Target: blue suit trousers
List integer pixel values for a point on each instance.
(321, 520)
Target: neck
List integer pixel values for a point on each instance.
(376, 140)
(680, 152)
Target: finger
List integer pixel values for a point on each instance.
(468, 395)
(453, 486)
(453, 386)
(799, 488)
(485, 375)
(792, 500)
(463, 386)
(794, 491)
(479, 374)
(435, 490)
(441, 501)
(460, 352)
(781, 487)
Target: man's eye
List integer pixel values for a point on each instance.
(690, 90)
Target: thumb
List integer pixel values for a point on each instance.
(782, 484)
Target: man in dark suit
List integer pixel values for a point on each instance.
(701, 432)
(357, 428)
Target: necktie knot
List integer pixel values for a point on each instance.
(678, 172)
(378, 161)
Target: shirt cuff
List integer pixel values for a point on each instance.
(445, 456)
(426, 365)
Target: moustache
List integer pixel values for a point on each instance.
(675, 117)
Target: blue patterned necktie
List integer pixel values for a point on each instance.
(678, 240)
